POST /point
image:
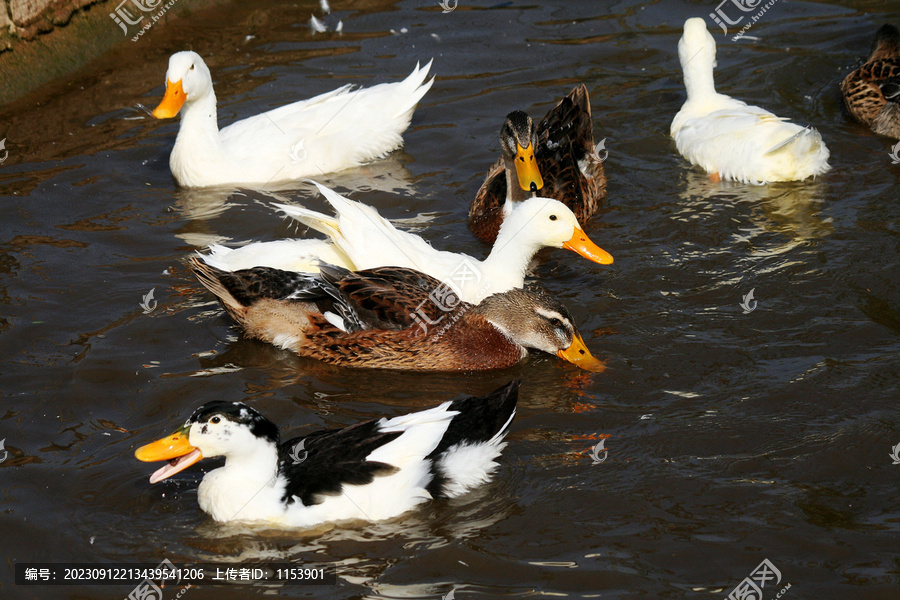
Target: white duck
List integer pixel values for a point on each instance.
(333, 131)
(360, 238)
(373, 470)
(727, 137)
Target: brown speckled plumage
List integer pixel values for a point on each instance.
(563, 138)
(872, 92)
(391, 318)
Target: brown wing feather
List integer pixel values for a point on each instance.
(565, 139)
(486, 210)
(395, 297)
(871, 92)
(862, 88)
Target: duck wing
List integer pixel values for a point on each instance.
(328, 460)
(386, 298)
(486, 210)
(567, 157)
(569, 119)
(480, 423)
(867, 89)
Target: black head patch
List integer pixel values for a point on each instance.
(517, 129)
(237, 412)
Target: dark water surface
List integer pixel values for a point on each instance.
(732, 437)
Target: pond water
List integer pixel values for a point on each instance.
(732, 438)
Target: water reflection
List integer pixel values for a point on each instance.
(793, 209)
(200, 208)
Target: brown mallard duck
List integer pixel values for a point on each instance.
(393, 318)
(558, 158)
(872, 92)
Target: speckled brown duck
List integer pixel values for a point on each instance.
(393, 318)
(872, 92)
(557, 159)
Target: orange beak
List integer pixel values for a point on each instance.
(527, 170)
(175, 448)
(171, 102)
(578, 354)
(583, 245)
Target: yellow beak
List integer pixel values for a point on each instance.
(578, 354)
(175, 448)
(171, 102)
(583, 245)
(527, 170)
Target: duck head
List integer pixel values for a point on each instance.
(886, 43)
(697, 53)
(230, 429)
(536, 320)
(187, 79)
(517, 143)
(538, 222)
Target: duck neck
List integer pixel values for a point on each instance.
(246, 488)
(512, 252)
(514, 192)
(698, 78)
(199, 123)
(259, 462)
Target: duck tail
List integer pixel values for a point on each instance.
(315, 220)
(270, 304)
(217, 256)
(242, 289)
(808, 151)
(352, 211)
(464, 458)
(805, 141)
(413, 88)
(212, 279)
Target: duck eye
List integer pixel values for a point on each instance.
(215, 420)
(552, 217)
(192, 67)
(555, 322)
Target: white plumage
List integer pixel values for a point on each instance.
(731, 139)
(330, 132)
(360, 238)
(371, 471)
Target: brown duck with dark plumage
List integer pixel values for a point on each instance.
(557, 159)
(393, 318)
(872, 92)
